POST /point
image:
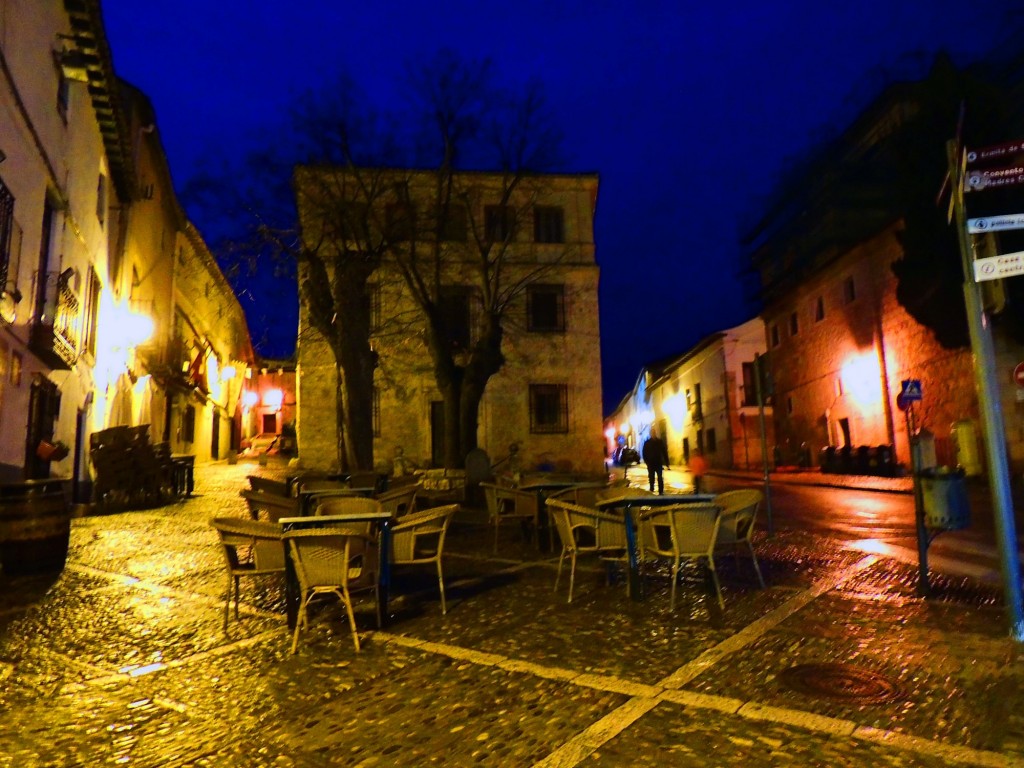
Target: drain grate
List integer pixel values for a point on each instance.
(841, 682)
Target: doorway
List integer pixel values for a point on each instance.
(43, 408)
(215, 435)
(437, 433)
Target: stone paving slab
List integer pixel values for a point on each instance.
(122, 660)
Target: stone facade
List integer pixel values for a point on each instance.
(566, 356)
(840, 345)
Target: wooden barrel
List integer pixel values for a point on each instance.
(35, 526)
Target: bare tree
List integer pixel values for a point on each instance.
(471, 144)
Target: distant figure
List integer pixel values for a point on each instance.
(698, 468)
(656, 459)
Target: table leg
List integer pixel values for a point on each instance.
(634, 585)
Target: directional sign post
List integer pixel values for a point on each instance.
(995, 223)
(985, 367)
(911, 392)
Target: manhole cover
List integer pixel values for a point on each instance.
(841, 682)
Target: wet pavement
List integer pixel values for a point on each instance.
(122, 660)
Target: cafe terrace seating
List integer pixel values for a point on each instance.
(399, 501)
(510, 504)
(251, 548)
(336, 561)
(679, 533)
(585, 531)
(739, 513)
(349, 505)
(418, 539)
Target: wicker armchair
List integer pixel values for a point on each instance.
(418, 539)
(349, 505)
(505, 504)
(585, 531)
(399, 501)
(739, 513)
(251, 548)
(682, 532)
(336, 561)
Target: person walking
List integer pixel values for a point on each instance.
(656, 459)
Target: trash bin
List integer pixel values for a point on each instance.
(944, 495)
(35, 527)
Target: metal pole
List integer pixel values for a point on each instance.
(989, 405)
(923, 587)
(764, 443)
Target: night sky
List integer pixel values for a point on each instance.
(688, 113)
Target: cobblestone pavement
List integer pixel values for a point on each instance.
(122, 660)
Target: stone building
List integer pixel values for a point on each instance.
(840, 342)
(546, 398)
(702, 402)
(100, 271)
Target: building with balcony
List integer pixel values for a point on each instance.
(112, 310)
(546, 397)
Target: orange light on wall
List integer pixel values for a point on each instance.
(862, 379)
(675, 409)
(273, 398)
(250, 398)
(610, 433)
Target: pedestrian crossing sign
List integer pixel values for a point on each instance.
(911, 390)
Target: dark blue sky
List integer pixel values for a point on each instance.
(689, 114)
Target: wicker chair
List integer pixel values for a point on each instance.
(585, 531)
(399, 501)
(350, 505)
(739, 513)
(418, 539)
(682, 532)
(251, 548)
(336, 561)
(505, 504)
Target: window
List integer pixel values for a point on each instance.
(794, 324)
(774, 332)
(749, 384)
(545, 308)
(92, 307)
(686, 449)
(400, 219)
(500, 221)
(849, 290)
(712, 440)
(700, 442)
(789, 405)
(454, 310)
(549, 408)
(188, 424)
(454, 227)
(101, 198)
(63, 94)
(6, 231)
(548, 224)
(351, 223)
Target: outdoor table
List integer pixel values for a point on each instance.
(626, 501)
(542, 487)
(291, 580)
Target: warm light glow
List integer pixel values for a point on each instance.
(227, 373)
(674, 409)
(624, 428)
(610, 433)
(249, 398)
(140, 385)
(273, 398)
(213, 376)
(862, 379)
(645, 417)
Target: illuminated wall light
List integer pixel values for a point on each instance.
(675, 409)
(273, 398)
(227, 373)
(250, 398)
(610, 433)
(862, 379)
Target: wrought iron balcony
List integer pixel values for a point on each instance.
(55, 336)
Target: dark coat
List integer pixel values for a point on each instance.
(655, 453)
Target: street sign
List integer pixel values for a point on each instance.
(975, 181)
(995, 223)
(1018, 375)
(997, 267)
(911, 390)
(994, 152)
